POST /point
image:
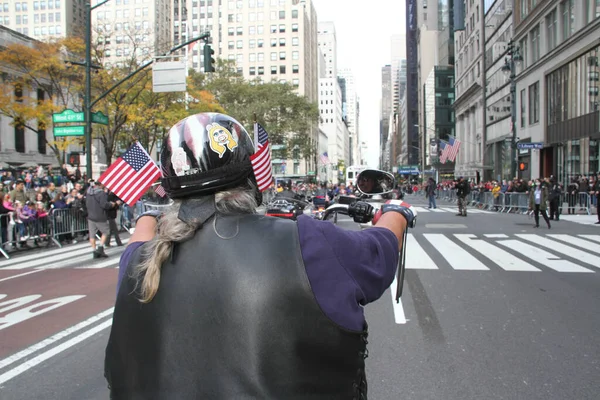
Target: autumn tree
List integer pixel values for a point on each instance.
(287, 116)
(37, 83)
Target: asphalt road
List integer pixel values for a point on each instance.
(482, 317)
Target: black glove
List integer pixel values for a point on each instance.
(361, 212)
(406, 211)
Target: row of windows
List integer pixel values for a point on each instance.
(533, 102)
(124, 26)
(572, 90)
(252, 43)
(239, 4)
(259, 29)
(101, 15)
(260, 16)
(562, 16)
(37, 5)
(37, 18)
(47, 30)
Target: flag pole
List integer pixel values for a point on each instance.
(255, 133)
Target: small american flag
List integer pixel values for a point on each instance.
(130, 176)
(261, 160)
(159, 190)
(325, 158)
(455, 144)
(445, 148)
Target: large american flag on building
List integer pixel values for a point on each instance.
(455, 145)
(325, 158)
(130, 176)
(261, 159)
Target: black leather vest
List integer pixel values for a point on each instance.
(234, 318)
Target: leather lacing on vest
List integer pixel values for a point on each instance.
(360, 385)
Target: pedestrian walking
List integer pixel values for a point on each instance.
(97, 205)
(430, 192)
(538, 198)
(462, 191)
(112, 219)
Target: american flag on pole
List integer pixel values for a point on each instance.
(455, 144)
(325, 158)
(130, 176)
(261, 159)
(444, 154)
(159, 190)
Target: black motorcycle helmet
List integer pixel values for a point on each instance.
(206, 153)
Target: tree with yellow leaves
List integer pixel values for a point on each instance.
(37, 83)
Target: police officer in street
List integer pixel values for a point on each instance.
(217, 302)
(462, 191)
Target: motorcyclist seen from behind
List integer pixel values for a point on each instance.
(217, 302)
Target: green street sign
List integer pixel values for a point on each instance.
(99, 118)
(67, 116)
(69, 130)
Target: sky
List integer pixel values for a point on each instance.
(363, 36)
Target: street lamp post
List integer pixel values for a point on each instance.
(509, 68)
(88, 104)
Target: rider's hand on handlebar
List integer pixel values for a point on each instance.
(361, 212)
(405, 209)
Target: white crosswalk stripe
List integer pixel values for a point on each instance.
(425, 209)
(430, 251)
(77, 256)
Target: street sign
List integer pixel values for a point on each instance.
(408, 170)
(69, 130)
(530, 145)
(169, 76)
(99, 118)
(67, 116)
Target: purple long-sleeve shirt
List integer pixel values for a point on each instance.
(346, 269)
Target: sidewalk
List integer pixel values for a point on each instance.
(580, 219)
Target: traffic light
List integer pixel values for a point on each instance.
(74, 159)
(522, 166)
(209, 61)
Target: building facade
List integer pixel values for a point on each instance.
(351, 111)
(557, 85)
(412, 82)
(385, 109)
(469, 91)
(498, 33)
(43, 19)
(21, 146)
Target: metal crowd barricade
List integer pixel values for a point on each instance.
(67, 221)
(13, 232)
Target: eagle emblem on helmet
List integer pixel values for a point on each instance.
(221, 139)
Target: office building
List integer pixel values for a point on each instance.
(469, 91)
(498, 33)
(43, 19)
(385, 110)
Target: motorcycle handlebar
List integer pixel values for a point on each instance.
(343, 209)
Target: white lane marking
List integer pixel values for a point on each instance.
(20, 275)
(55, 338)
(502, 258)
(543, 257)
(457, 257)
(58, 261)
(436, 210)
(46, 253)
(589, 246)
(416, 257)
(104, 264)
(27, 365)
(421, 209)
(450, 210)
(399, 316)
(496, 235)
(595, 238)
(572, 252)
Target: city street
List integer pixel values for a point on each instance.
(493, 308)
